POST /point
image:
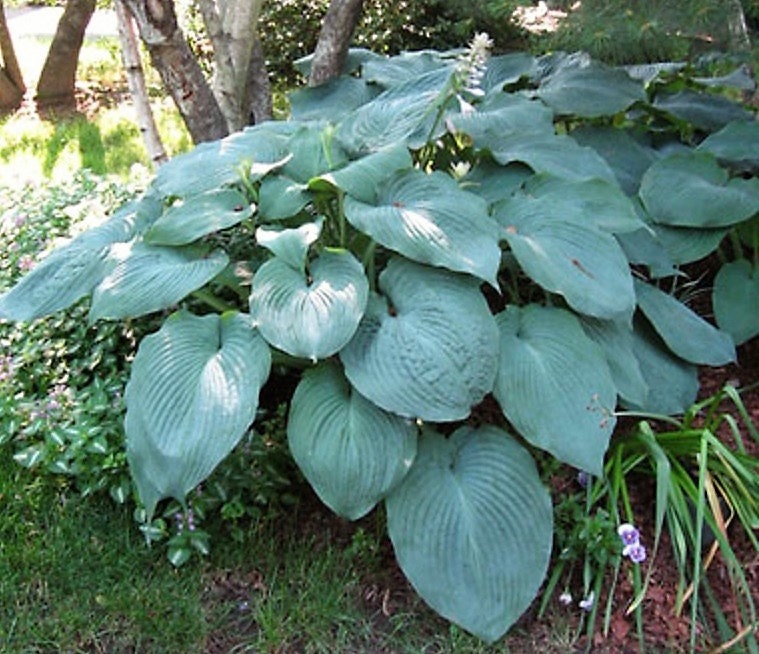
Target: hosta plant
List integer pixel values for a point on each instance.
(433, 243)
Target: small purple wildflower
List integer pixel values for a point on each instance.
(583, 478)
(586, 604)
(636, 553)
(565, 598)
(629, 534)
(26, 263)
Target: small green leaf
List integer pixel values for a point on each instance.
(428, 348)
(311, 315)
(471, 525)
(198, 215)
(352, 452)
(192, 394)
(735, 298)
(689, 336)
(554, 385)
(147, 278)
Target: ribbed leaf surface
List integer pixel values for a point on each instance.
(147, 278)
(554, 385)
(735, 298)
(309, 315)
(472, 525)
(691, 190)
(560, 248)
(428, 348)
(192, 394)
(351, 451)
(428, 218)
(199, 215)
(688, 335)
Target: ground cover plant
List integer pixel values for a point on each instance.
(422, 240)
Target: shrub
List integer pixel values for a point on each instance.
(461, 260)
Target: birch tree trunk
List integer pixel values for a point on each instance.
(130, 54)
(231, 26)
(57, 80)
(737, 30)
(12, 86)
(334, 40)
(179, 70)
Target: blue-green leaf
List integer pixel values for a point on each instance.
(310, 315)
(198, 215)
(209, 165)
(192, 394)
(70, 272)
(566, 253)
(590, 91)
(332, 100)
(555, 154)
(351, 451)
(281, 197)
(705, 111)
(429, 219)
(735, 298)
(290, 245)
(688, 335)
(146, 278)
(737, 143)
(554, 385)
(428, 348)
(692, 190)
(471, 525)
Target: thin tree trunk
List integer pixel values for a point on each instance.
(130, 54)
(259, 87)
(12, 87)
(57, 80)
(334, 40)
(737, 30)
(179, 70)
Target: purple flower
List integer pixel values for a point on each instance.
(637, 553)
(629, 534)
(583, 478)
(587, 603)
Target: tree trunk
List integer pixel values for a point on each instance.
(12, 86)
(130, 55)
(259, 88)
(58, 77)
(334, 40)
(737, 30)
(179, 70)
(231, 26)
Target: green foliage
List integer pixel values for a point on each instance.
(644, 30)
(429, 232)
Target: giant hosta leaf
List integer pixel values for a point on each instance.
(616, 341)
(404, 113)
(365, 177)
(735, 298)
(687, 244)
(548, 153)
(429, 219)
(471, 525)
(199, 215)
(405, 67)
(568, 255)
(494, 182)
(291, 245)
(689, 336)
(351, 451)
(281, 197)
(314, 314)
(706, 111)
(672, 383)
(215, 163)
(504, 114)
(192, 394)
(554, 385)
(508, 69)
(332, 100)
(428, 348)
(72, 271)
(692, 190)
(147, 278)
(627, 155)
(737, 143)
(590, 91)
